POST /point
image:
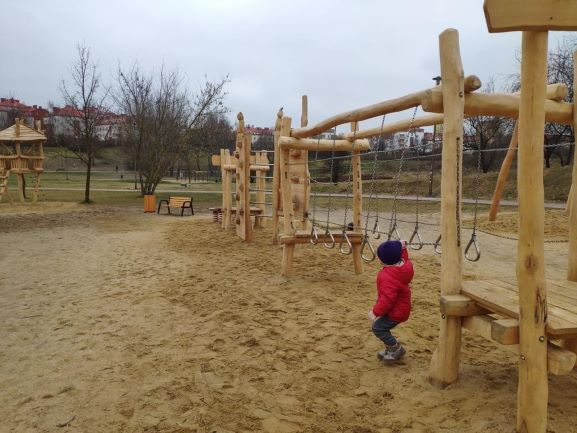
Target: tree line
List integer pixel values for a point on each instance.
(165, 126)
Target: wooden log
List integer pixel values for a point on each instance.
(460, 305)
(444, 368)
(276, 193)
(472, 83)
(357, 200)
(323, 145)
(557, 92)
(322, 238)
(286, 196)
(390, 106)
(498, 104)
(511, 15)
(571, 201)
(533, 390)
(402, 125)
(504, 174)
(306, 172)
(260, 167)
(244, 222)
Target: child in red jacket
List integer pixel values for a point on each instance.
(393, 304)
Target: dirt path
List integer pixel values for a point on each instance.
(115, 321)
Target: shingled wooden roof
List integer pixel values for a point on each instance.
(26, 134)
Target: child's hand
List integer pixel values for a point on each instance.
(372, 316)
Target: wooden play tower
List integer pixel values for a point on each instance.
(21, 153)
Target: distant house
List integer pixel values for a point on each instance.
(64, 121)
(408, 139)
(263, 135)
(11, 108)
(110, 127)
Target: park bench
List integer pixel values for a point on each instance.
(181, 203)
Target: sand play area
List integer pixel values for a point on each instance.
(112, 320)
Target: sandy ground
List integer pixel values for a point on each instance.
(116, 321)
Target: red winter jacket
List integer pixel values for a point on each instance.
(394, 292)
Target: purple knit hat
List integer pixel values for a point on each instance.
(389, 252)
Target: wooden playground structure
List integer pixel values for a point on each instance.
(241, 164)
(21, 153)
(530, 315)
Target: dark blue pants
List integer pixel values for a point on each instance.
(382, 329)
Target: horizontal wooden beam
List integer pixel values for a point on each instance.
(322, 238)
(472, 83)
(385, 107)
(312, 144)
(460, 305)
(498, 104)
(402, 125)
(559, 361)
(505, 331)
(516, 15)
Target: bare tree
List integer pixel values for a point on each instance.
(213, 134)
(88, 98)
(484, 133)
(559, 70)
(160, 119)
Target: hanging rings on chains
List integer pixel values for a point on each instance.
(331, 244)
(437, 245)
(376, 230)
(416, 244)
(473, 243)
(394, 232)
(314, 235)
(349, 246)
(364, 244)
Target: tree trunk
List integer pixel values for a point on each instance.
(88, 174)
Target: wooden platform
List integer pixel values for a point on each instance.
(501, 296)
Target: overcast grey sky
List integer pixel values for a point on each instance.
(342, 54)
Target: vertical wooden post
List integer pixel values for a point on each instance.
(357, 202)
(533, 390)
(444, 368)
(276, 182)
(305, 158)
(504, 173)
(572, 202)
(287, 204)
(243, 220)
(260, 160)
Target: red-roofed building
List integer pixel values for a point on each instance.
(264, 135)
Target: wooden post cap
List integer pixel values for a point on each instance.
(516, 15)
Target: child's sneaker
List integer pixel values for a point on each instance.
(392, 354)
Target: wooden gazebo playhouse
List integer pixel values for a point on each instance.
(539, 316)
(21, 153)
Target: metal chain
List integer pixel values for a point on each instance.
(393, 222)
